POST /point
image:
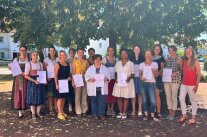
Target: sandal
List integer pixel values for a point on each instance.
(145, 118)
(61, 116)
(182, 119)
(65, 115)
(192, 121)
(155, 119)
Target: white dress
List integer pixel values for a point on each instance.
(129, 90)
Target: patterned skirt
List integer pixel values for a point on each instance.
(35, 93)
(19, 93)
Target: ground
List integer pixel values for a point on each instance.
(10, 125)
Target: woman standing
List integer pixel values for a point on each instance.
(50, 61)
(35, 90)
(157, 56)
(97, 93)
(62, 72)
(19, 90)
(124, 86)
(80, 66)
(190, 82)
(171, 88)
(148, 73)
(109, 61)
(137, 58)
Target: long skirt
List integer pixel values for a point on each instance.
(110, 98)
(51, 89)
(19, 93)
(35, 93)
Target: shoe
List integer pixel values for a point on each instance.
(168, 116)
(39, 115)
(102, 117)
(155, 119)
(192, 121)
(171, 118)
(109, 112)
(34, 117)
(159, 115)
(70, 109)
(139, 113)
(133, 114)
(113, 113)
(52, 112)
(84, 115)
(182, 119)
(145, 118)
(61, 116)
(96, 117)
(124, 116)
(119, 116)
(65, 115)
(79, 115)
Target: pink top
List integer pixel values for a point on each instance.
(189, 76)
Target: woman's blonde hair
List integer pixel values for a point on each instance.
(61, 51)
(34, 51)
(193, 59)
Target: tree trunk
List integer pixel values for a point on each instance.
(112, 41)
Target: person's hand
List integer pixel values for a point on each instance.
(48, 79)
(195, 89)
(69, 78)
(174, 74)
(9, 68)
(22, 73)
(128, 79)
(143, 79)
(91, 80)
(57, 87)
(45, 83)
(36, 82)
(106, 79)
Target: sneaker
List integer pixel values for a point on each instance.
(119, 116)
(171, 118)
(65, 115)
(34, 117)
(124, 116)
(133, 114)
(159, 115)
(155, 119)
(109, 112)
(145, 118)
(113, 113)
(39, 115)
(168, 116)
(139, 113)
(61, 116)
(84, 115)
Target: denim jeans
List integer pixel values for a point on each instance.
(148, 96)
(98, 104)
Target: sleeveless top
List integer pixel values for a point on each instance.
(159, 60)
(80, 66)
(189, 76)
(109, 64)
(63, 72)
(137, 61)
(172, 63)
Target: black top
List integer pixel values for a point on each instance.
(140, 59)
(64, 71)
(159, 60)
(98, 72)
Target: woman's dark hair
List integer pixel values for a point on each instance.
(109, 48)
(80, 49)
(51, 47)
(96, 56)
(161, 50)
(173, 47)
(123, 49)
(141, 56)
(72, 49)
(23, 46)
(91, 49)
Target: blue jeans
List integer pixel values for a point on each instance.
(148, 96)
(98, 104)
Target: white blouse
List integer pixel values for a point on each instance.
(104, 61)
(35, 66)
(20, 61)
(50, 62)
(91, 87)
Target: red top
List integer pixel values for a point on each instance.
(189, 76)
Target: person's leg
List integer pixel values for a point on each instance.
(126, 102)
(32, 108)
(55, 104)
(62, 105)
(133, 100)
(158, 101)
(84, 102)
(120, 106)
(101, 104)
(59, 105)
(143, 89)
(168, 91)
(174, 88)
(151, 95)
(78, 109)
(192, 97)
(50, 101)
(183, 93)
(94, 105)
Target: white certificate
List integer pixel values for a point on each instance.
(136, 70)
(99, 80)
(41, 77)
(50, 71)
(63, 86)
(111, 72)
(15, 68)
(78, 80)
(122, 77)
(167, 75)
(147, 73)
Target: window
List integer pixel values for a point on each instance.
(100, 45)
(2, 56)
(1, 38)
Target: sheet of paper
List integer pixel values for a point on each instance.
(63, 86)
(111, 72)
(50, 71)
(167, 75)
(122, 77)
(78, 80)
(147, 73)
(136, 70)
(15, 68)
(41, 77)
(99, 80)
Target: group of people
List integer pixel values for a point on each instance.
(138, 77)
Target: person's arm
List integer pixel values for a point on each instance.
(180, 62)
(56, 68)
(88, 75)
(155, 70)
(132, 74)
(73, 73)
(198, 75)
(161, 69)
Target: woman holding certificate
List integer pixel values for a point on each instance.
(35, 89)
(97, 78)
(190, 82)
(49, 63)
(137, 58)
(62, 78)
(19, 90)
(172, 79)
(79, 68)
(124, 86)
(148, 73)
(157, 56)
(109, 61)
